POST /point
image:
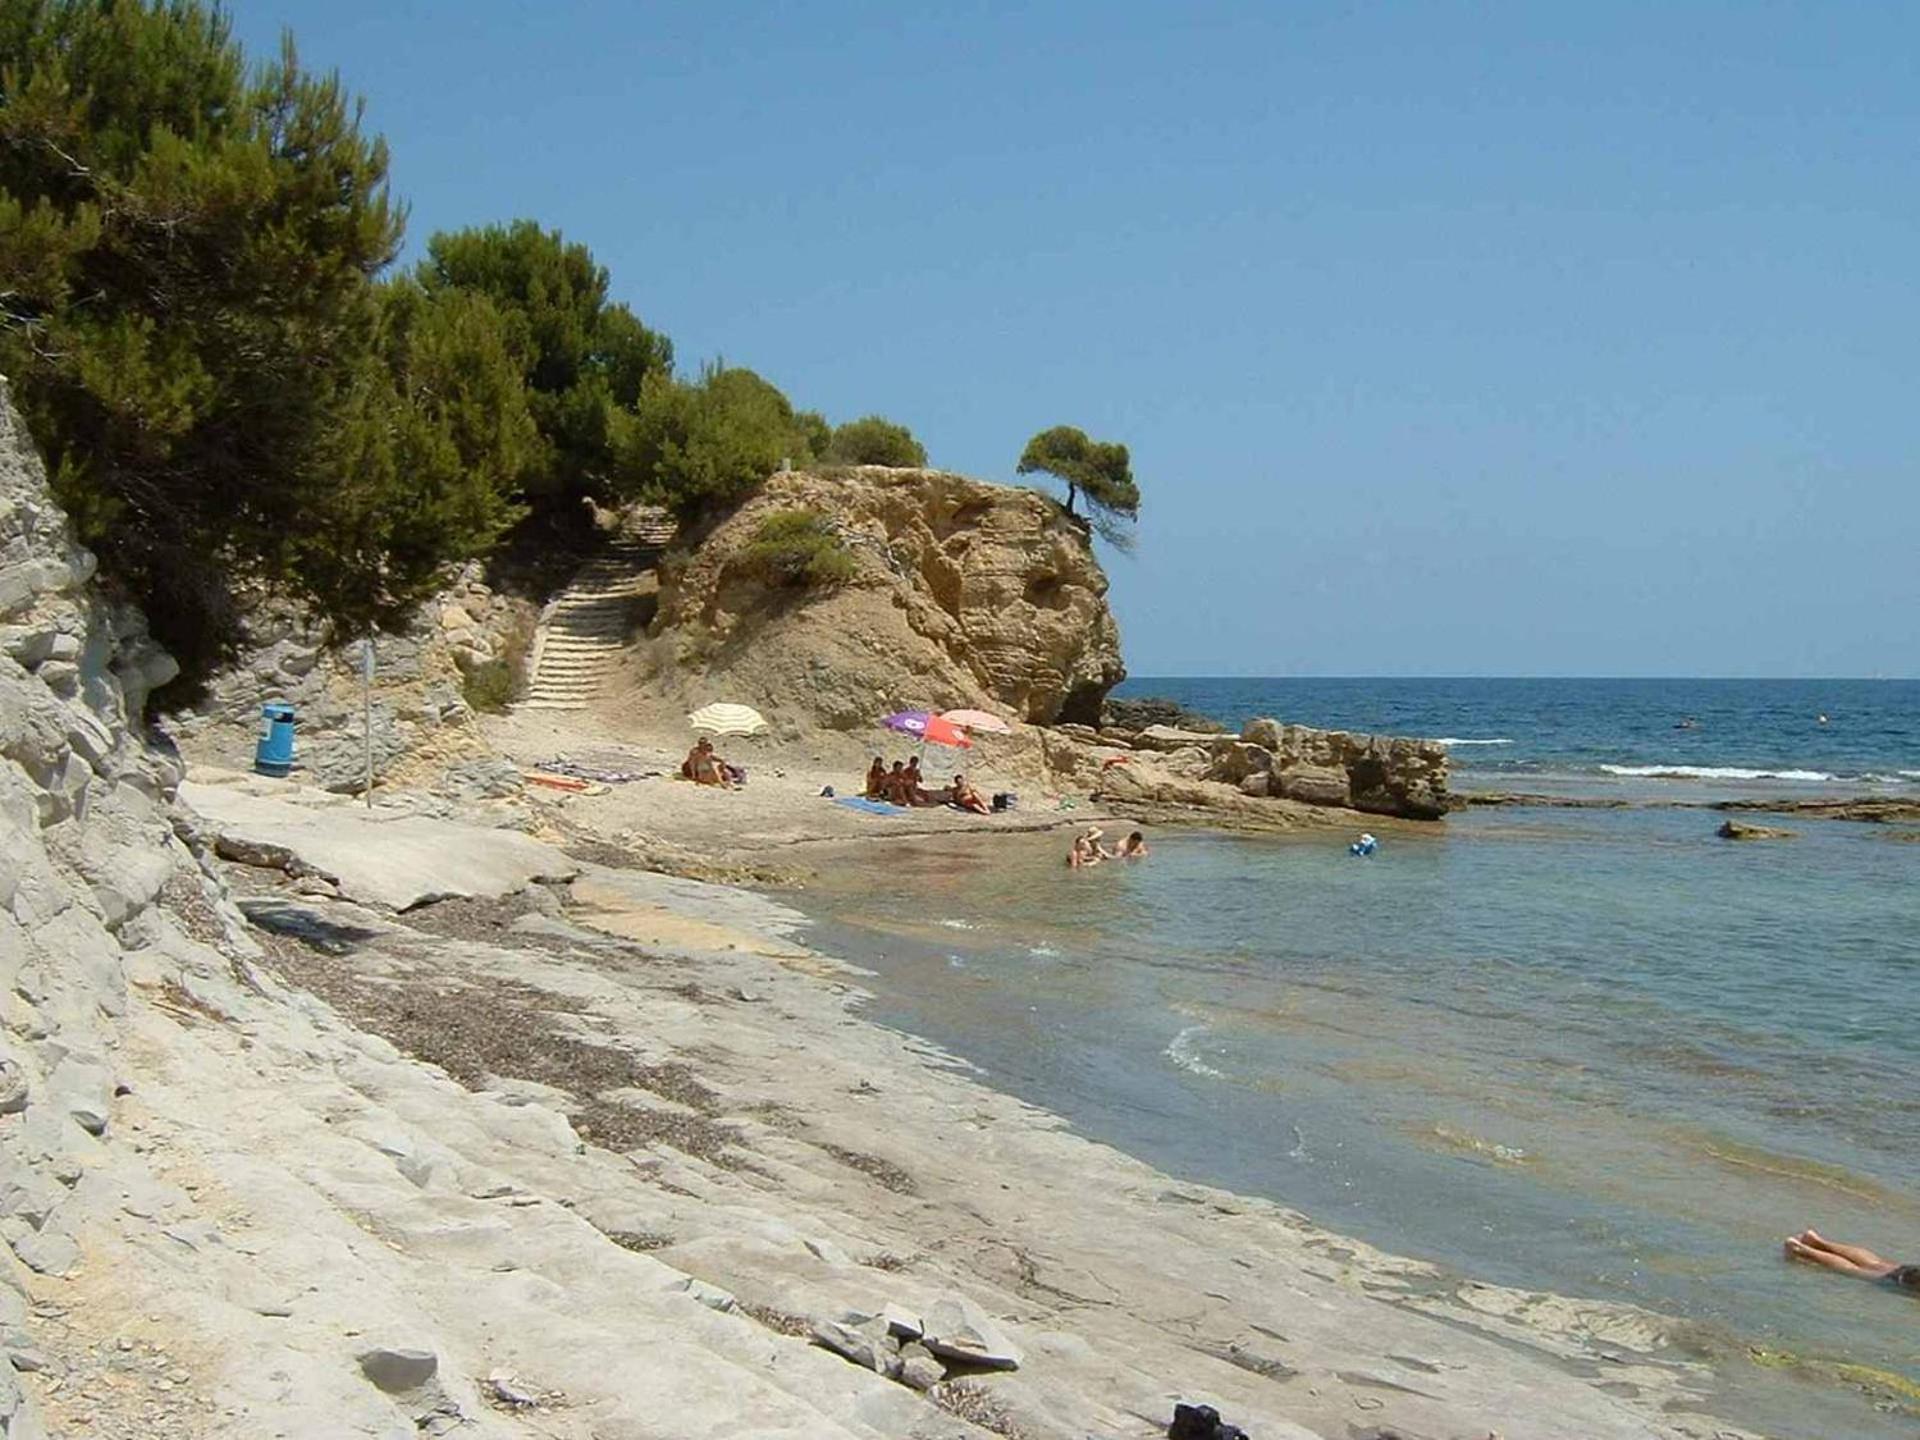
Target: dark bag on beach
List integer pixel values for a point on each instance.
(1201, 1422)
(1005, 800)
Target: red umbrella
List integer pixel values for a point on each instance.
(942, 731)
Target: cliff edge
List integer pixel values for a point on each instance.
(963, 593)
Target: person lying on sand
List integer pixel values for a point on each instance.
(1086, 849)
(1815, 1248)
(876, 779)
(1134, 847)
(965, 797)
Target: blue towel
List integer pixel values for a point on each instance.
(872, 807)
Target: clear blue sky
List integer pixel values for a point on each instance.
(1448, 339)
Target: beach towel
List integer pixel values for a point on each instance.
(872, 807)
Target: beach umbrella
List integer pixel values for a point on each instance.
(926, 727)
(977, 722)
(724, 719)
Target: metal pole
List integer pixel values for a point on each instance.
(366, 709)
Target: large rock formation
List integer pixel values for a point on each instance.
(96, 886)
(1373, 774)
(966, 594)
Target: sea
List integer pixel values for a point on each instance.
(1592, 1051)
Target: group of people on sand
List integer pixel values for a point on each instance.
(1087, 849)
(905, 785)
(704, 767)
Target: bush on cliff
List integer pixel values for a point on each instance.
(798, 548)
(705, 446)
(1099, 469)
(584, 359)
(189, 315)
(874, 441)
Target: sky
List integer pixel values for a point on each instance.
(1448, 339)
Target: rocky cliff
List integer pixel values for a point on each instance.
(964, 594)
(98, 890)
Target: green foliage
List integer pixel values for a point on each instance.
(704, 446)
(874, 441)
(1098, 469)
(584, 359)
(188, 313)
(488, 686)
(798, 548)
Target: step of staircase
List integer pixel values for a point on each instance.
(585, 628)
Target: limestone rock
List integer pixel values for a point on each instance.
(958, 1330)
(851, 1343)
(1740, 830)
(1168, 738)
(14, 1089)
(47, 1252)
(918, 1368)
(989, 597)
(397, 1371)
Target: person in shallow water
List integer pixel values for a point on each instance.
(1816, 1249)
(1134, 847)
(1086, 849)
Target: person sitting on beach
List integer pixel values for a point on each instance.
(1134, 847)
(917, 792)
(703, 767)
(894, 788)
(1086, 849)
(1856, 1260)
(876, 779)
(965, 797)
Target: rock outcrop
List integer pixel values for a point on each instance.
(419, 708)
(966, 594)
(1234, 775)
(98, 890)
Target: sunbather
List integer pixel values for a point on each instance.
(876, 778)
(896, 790)
(703, 767)
(966, 797)
(1857, 1260)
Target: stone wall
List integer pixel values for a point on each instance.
(99, 890)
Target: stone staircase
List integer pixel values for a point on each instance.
(583, 630)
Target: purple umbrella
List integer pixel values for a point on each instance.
(907, 722)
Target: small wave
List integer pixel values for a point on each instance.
(957, 924)
(1042, 952)
(1453, 740)
(1908, 774)
(1182, 1051)
(1715, 772)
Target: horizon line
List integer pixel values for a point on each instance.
(1807, 679)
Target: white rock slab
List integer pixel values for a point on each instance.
(379, 860)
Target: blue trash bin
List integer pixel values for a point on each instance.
(274, 754)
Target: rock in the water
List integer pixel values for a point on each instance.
(960, 1331)
(1739, 830)
(397, 1371)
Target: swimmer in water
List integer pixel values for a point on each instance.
(1856, 1260)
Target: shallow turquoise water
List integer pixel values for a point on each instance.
(1596, 1052)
